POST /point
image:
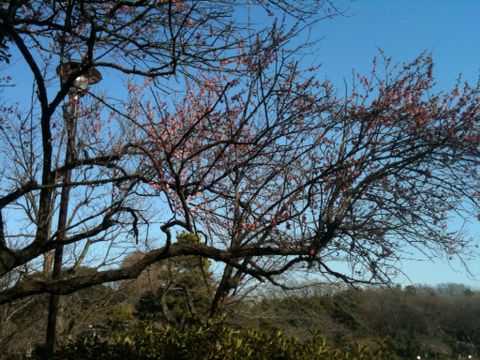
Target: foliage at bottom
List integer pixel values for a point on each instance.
(211, 341)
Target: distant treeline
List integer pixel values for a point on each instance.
(439, 323)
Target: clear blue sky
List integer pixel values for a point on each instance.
(448, 29)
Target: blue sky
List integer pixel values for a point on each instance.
(449, 30)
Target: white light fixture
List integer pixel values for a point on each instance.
(82, 82)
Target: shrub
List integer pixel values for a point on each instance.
(213, 341)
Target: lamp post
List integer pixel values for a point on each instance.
(79, 88)
(81, 82)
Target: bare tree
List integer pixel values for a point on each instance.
(74, 173)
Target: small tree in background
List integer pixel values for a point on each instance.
(183, 288)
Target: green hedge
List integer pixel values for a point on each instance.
(212, 341)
